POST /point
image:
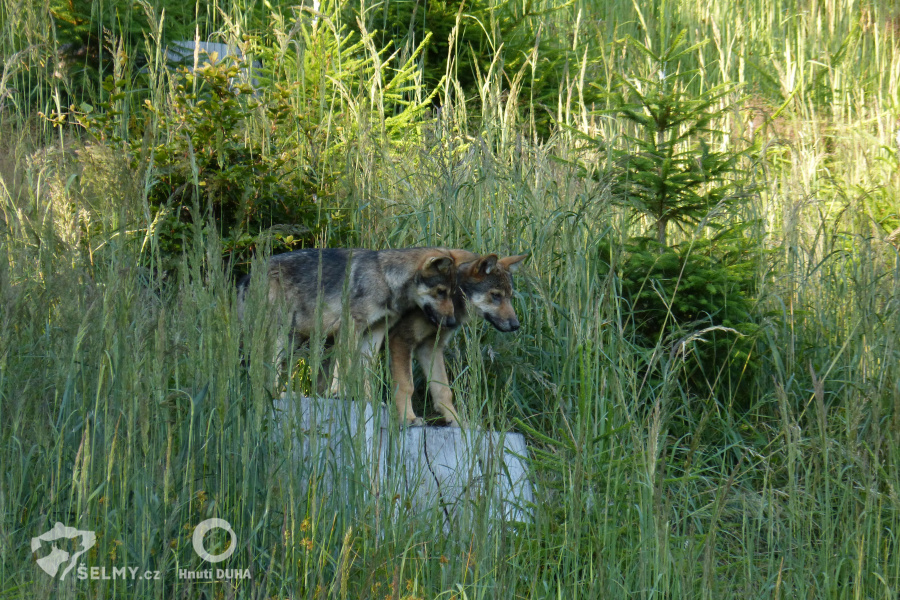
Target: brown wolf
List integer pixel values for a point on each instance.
(485, 284)
(378, 286)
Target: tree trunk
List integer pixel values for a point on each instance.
(661, 233)
(662, 222)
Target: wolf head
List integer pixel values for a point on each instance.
(487, 284)
(435, 282)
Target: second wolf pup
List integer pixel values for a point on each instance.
(311, 286)
(485, 283)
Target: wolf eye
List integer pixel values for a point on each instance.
(442, 292)
(496, 298)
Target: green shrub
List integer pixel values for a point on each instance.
(217, 154)
(696, 302)
(217, 161)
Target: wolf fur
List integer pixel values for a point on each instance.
(484, 284)
(312, 286)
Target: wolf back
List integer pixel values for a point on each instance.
(311, 290)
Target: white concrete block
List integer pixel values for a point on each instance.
(450, 470)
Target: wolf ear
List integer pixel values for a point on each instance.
(441, 264)
(461, 257)
(486, 264)
(512, 263)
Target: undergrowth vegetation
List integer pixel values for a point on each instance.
(708, 371)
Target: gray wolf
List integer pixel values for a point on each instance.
(484, 283)
(316, 289)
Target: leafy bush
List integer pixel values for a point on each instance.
(217, 160)
(217, 153)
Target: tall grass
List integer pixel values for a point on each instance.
(136, 404)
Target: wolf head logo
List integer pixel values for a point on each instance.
(57, 556)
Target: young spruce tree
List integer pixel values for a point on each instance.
(668, 170)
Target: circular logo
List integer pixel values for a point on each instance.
(206, 526)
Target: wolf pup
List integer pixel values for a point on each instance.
(379, 287)
(485, 283)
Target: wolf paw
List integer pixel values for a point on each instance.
(416, 422)
(453, 419)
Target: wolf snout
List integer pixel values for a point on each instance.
(504, 325)
(510, 325)
(441, 320)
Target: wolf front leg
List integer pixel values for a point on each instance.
(368, 354)
(401, 372)
(369, 346)
(334, 390)
(431, 358)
